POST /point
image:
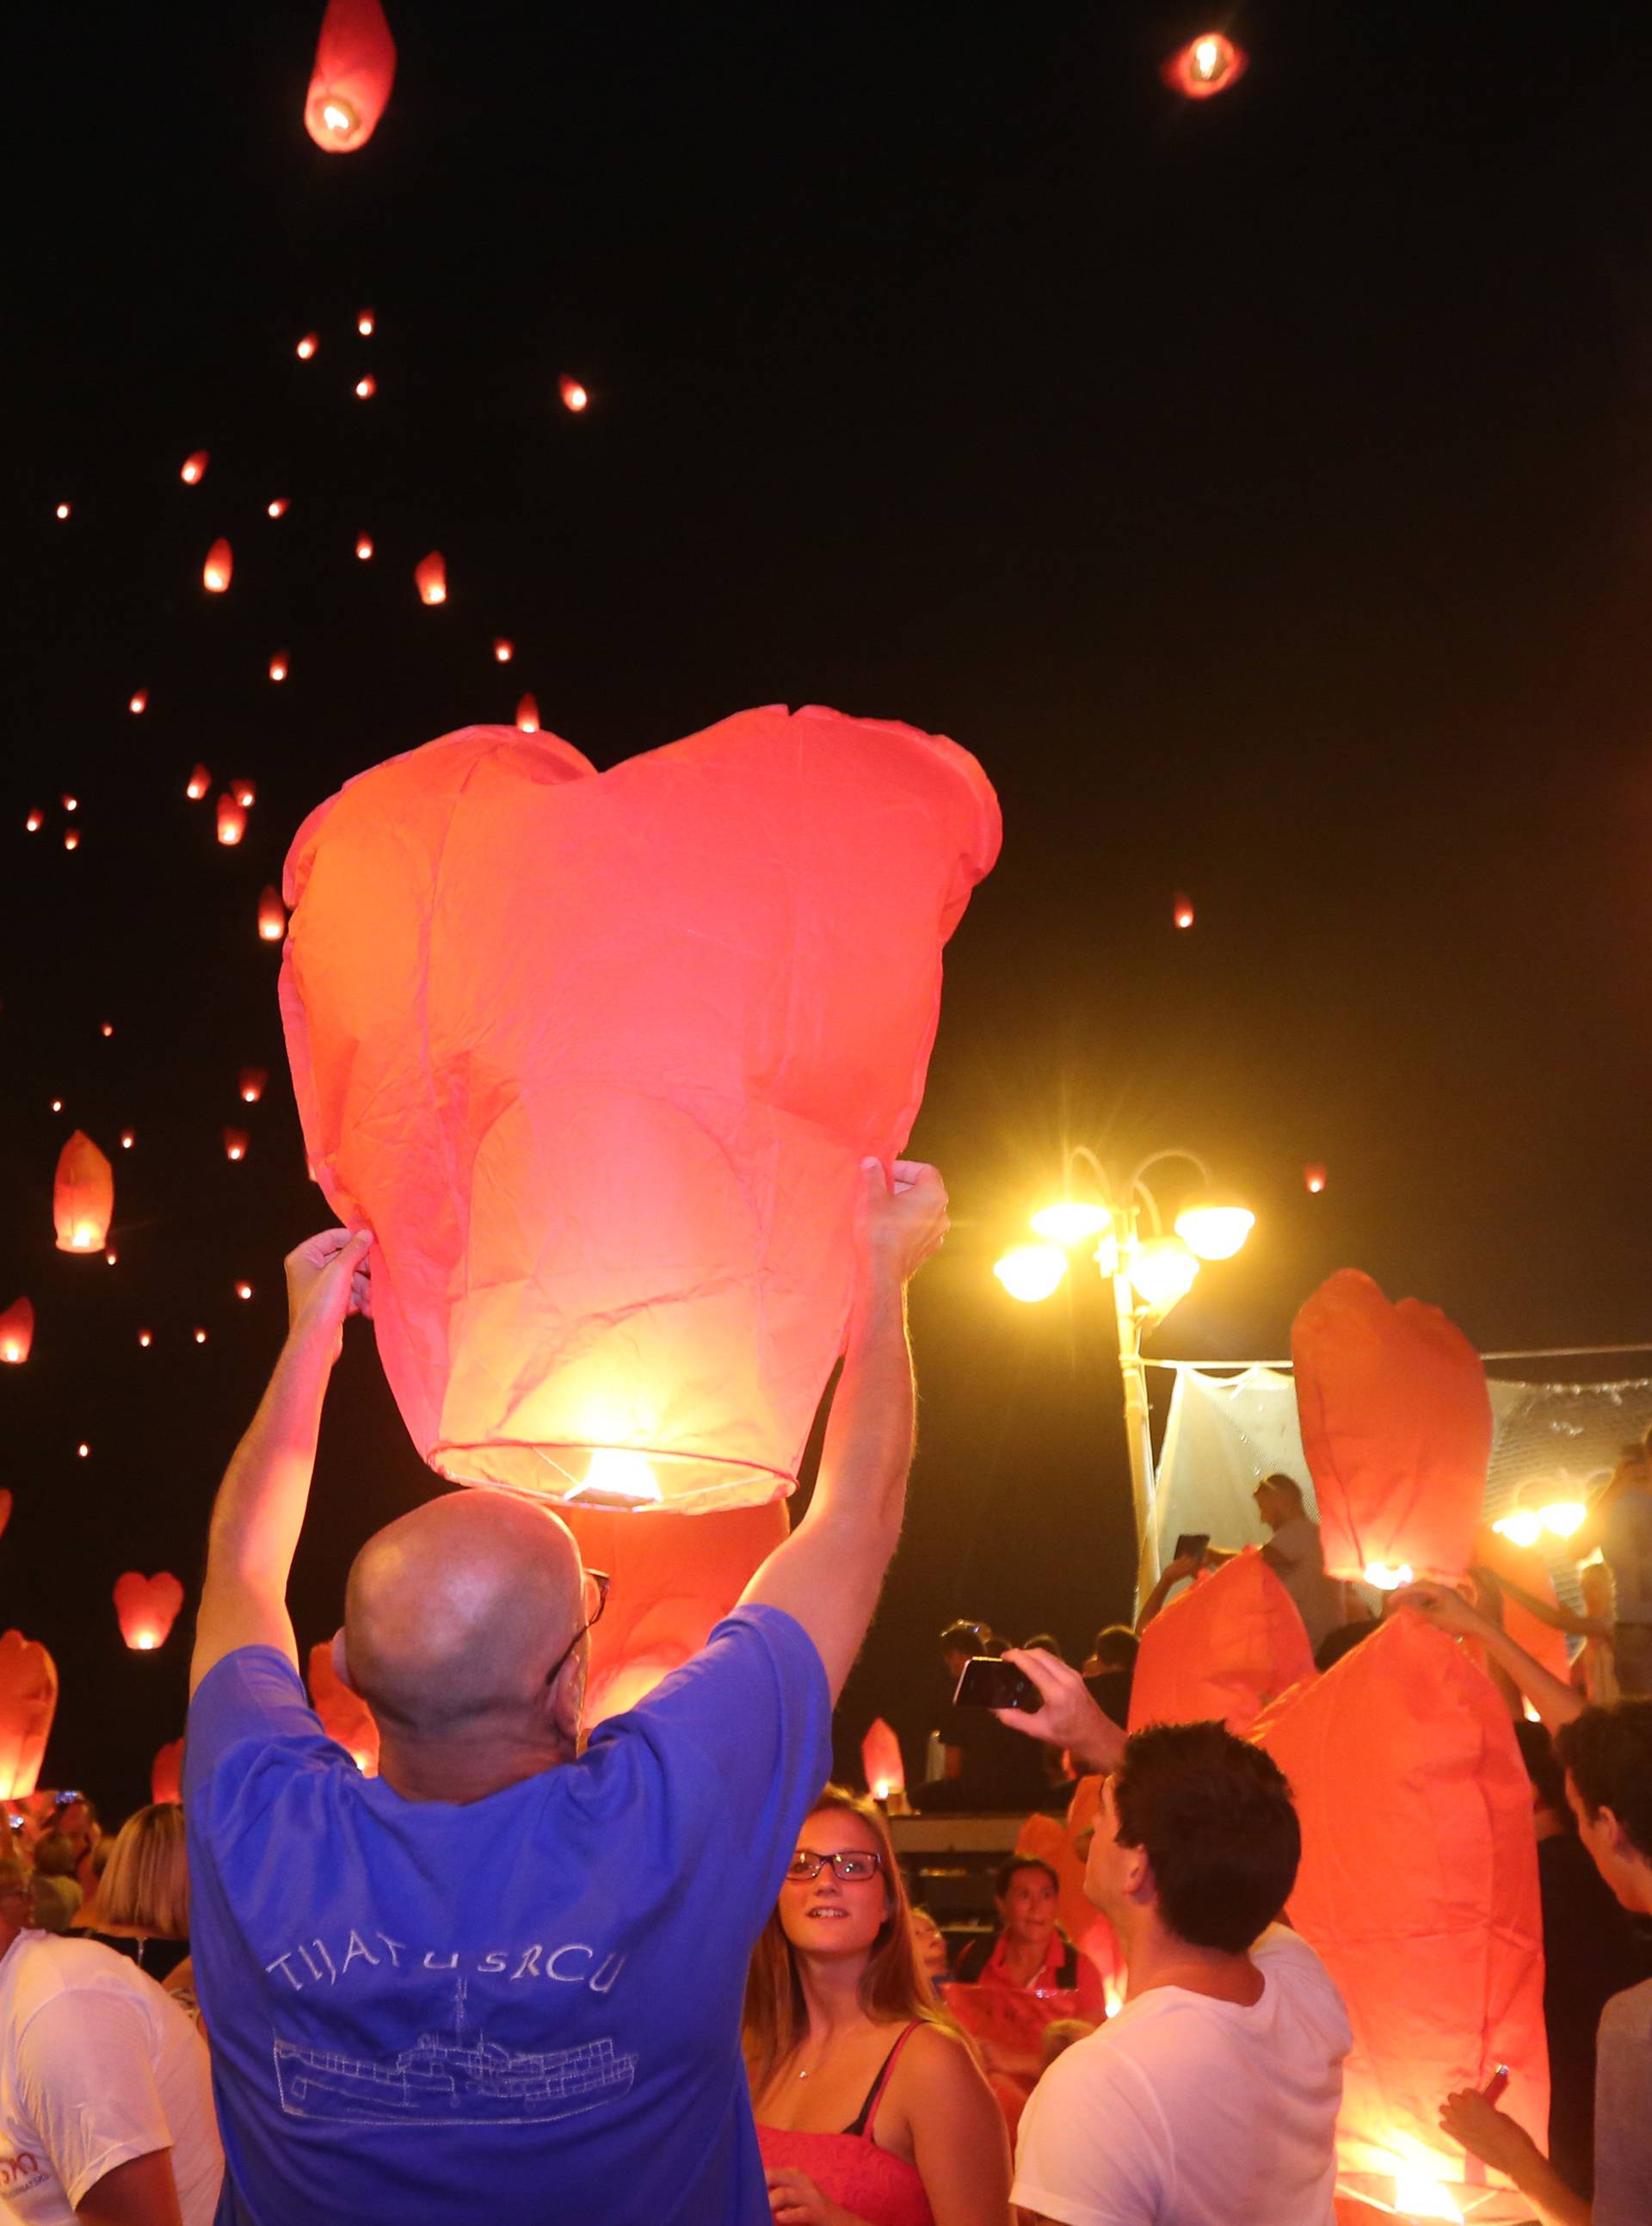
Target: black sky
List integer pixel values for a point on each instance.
(1261, 489)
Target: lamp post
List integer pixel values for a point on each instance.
(1150, 1273)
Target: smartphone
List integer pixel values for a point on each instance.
(1191, 1546)
(1493, 2088)
(987, 1682)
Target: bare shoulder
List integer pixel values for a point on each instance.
(937, 2061)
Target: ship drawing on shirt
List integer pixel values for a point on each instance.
(462, 2080)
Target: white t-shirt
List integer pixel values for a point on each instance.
(97, 2065)
(1185, 2111)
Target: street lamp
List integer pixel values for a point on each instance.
(1150, 1272)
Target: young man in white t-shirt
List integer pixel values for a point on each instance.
(1211, 2098)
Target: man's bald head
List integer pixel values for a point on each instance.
(455, 1612)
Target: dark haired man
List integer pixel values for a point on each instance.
(1211, 2098)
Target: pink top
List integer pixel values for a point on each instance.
(850, 2168)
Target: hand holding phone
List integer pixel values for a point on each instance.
(1191, 1546)
(987, 1682)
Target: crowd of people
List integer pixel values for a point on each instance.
(666, 1970)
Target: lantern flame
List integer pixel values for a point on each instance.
(1184, 912)
(243, 1290)
(251, 1085)
(1206, 65)
(35, 822)
(365, 323)
(502, 651)
(63, 510)
(339, 118)
(146, 1608)
(1387, 1576)
(194, 467)
(1418, 2195)
(127, 1139)
(430, 577)
(82, 1196)
(278, 667)
(146, 1338)
(220, 566)
(71, 841)
(1314, 1176)
(616, 1474)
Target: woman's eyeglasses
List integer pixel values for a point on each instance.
(602, 1581)
(854, 1864)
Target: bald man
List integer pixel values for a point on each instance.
(503, 1980)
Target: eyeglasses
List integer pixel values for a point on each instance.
(853, 1865)
(602, 1581)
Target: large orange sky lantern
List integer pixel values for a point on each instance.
(28, 1703)
(1228, 1647)
(1396, 1426)
(350, 84)
(82, 1196)
(615, 1251)
(17, 1332)
(146, 1608)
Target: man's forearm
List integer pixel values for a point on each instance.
(1555, 1702)
(869, 1447)
(259, 1510)
(1548, 2194)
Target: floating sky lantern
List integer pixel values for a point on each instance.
(82, 1196)
(365, 323)
(1228, 1647)
(201, 1336)
(250, 1084)
(71, 803)
(146, 1608)
(345, 1715)
(244, 794)
(272, 916)
(349, 84)
(216, 572)
(574, 396)
(1205, 66)
(35, 822)
(1313, 1177)
(231, 820)
(364, 547)
(527, 717)
(166, 1773)
(502, 651)
(430, 577)
(57, 1105)
(278, 508)
(194, 467)
(17, 1332)
(278, 665)
(5, 1508)
(139, 703)
(1182, 911)
(1396, 1426)
(243, 1290)
(146, 1338)
(28, 1703)
(367, 387)
(127, 1139)
(885, 1773)
(788, 881)
(235, 1143)
(62, 510)
(110, 1257)
(308, 347)
(198, 783)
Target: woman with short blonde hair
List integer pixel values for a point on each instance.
(143, 1895)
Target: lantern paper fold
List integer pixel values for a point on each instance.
(146, 1608)
(28, 1703)
(82, 1196)
(1419, 1888)
(597, 1058)
(1396, 1426)
(350, 84)
(345, 1715)
(1227, 1648)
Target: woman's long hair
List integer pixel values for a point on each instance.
(894, 1988)
(144, 1889)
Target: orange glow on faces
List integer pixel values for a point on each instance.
(216, 572)
(574, 396)
(527, 716)
(231, 822)
(235, 1144)
(430, 577)
(139, 703)
(200, 781)
(194, 467)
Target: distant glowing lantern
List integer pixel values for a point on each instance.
(250, 1084)
(430, 578)
(110, 1257)
(82, 1196)
(231, 821)
(166, 1773)
(365, 323)
(736, 1140)
(139, 703)
(244, 794)
(345, 1715)
(71, 803)
(277, 508)
(885, 1773)
(146, 1338)
(278, 666)
(367, 388)
(1396, 1426)
(1230, 1646)
(198, 783)
(527, 717)
(502, 651)
(1207, 64)
(1032, 1272)
(57, 1105)
(235, 1143)
(194, 467)
(216, 573)
(243, 1290)
(308, 347)
(146, 1608)
(5, 1508)
(574, 396)
(272, 917)
(126, 1140)
(17, 1332)
(28, 1703)
(350, 84)
(35, 822)
(200, 1336)
(364, 547)
(1314, 1176)
(107, 1029)
(71, 840)
(83, 1451)
(1182, 911)
(63, 510)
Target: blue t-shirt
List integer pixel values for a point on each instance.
(524, 2009)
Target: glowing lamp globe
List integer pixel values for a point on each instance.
(82, 1196)
(741, 936)
(1071, 1221)
(17, 1332)
(217, 572)
(194, 467)
(430, 578)
(527, 715)
(1032, 1272)
(1215, 1228)
(146, 1608)
(350, 84)
(1164, 1271)
(1205, 66)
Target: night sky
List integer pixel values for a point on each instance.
(1261, 488)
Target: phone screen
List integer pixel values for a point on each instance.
(988, 1683)
(1191, 1545)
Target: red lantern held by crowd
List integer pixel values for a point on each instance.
(1313, 1176)
(1396, 1426)
(146, 1608)
(350, 84)
(759, 1026)
(28, 1703)
(885, 1773)
(198, 783)
(1182, 911)
(231, 820)
(250, 1084)
(574, 396)
(166, 1773)
(17, 1332)
(235, 1144)
(82, 1196)
(430, 577)
(1227, 1647)
(345, 1715)
(217, 571)
(527, 717)
(272, 916)
(194, 467)
(1205, 66)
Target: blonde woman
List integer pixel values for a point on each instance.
(144, 1897)
(871, 2108)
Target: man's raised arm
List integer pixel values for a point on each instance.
(260, 1507)
(828, 1574)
